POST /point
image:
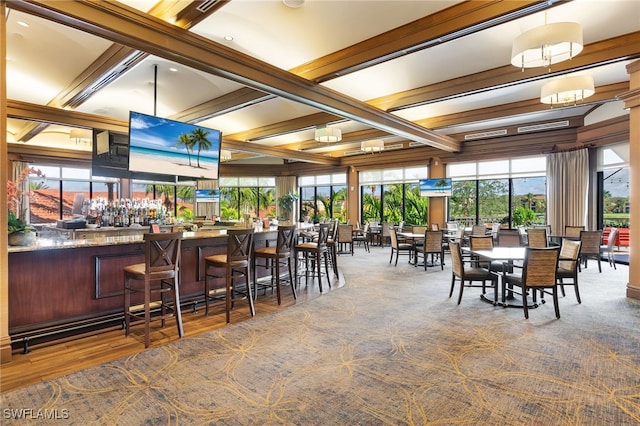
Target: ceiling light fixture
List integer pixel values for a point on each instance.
(546, 45)
(328, 134)
(567, 90)
(80, 135)
(372, 146)
(293, 3)
(225, 155)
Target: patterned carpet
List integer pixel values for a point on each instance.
(389, 348)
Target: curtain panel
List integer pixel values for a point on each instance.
(567, 189)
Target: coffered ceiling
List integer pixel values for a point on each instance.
(413, 73)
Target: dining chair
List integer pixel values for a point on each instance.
(509, 238)
(232, 267)
(362, 237)
(345, 239)
(468, 275)
(568, 266)
(607, 249)
(386, 232)
(431, 246)
(316, 251)
(538, 273)
(590, 249)
(398, 248)
(478, 230)
(537, 237)
(158, 275)
(573, 231)
(275, 256)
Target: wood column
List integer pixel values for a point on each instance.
(437, 205)
(5, 340)
(632, 102)
(353, 196)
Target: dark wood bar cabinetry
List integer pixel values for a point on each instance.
(61, 288)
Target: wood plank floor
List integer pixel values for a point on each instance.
(63, 357)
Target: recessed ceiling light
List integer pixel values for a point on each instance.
(23, 24)
(293, 3)
(173, 69)
(228, 38)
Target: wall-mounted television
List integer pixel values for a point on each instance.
(438, 187)
(160, 145)
(207, 195)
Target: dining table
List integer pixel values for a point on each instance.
(506, 255)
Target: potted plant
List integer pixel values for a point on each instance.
(286, 203)
(20, 232)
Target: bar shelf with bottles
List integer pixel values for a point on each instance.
(126, 212)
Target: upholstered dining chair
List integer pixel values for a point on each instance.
(158, 275)
(362, 237)
(607, 249)
(538, 273)
(478, 230)
(275, 256)
(568, 266)
(233, 267)
(398, 248)
(345, 239)
(467, 275)
(432, 246)
(590, 249)
(571, 231)
(537, 237)
(509, 238)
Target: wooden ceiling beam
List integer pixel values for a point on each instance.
(122, 24)
(451, 23)
(595, 54)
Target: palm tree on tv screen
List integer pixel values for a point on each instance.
(187, 141)
(199, 138)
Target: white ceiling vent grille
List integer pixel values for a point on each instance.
(483, 135)
(206, 5)
(543, 126)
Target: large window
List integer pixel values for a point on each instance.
(251, 196)
(53, 197)
(393, 195)
(613, 173)
(323, 197)
(511, 192)
(178, 199)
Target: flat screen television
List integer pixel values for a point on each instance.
(160, 145)
(438, 187)
(207, 195)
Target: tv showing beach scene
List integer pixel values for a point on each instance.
(162, 146)
(437, 187)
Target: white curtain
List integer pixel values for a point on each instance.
(567, 189)
(284, 185)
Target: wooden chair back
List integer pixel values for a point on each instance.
(481, 243)
(162, 253)
(433, 241)
(478, 230)
(591, 241)
(286, 239)
(345, 233)
(457, 266)
(239, 246)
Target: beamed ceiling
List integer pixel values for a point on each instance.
(433, 79)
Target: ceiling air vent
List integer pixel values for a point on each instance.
(483, 135)
(206, 5)
(544, 126)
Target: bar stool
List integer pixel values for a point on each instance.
(159, 275)
(235, 264)
(280, 253)
(317, 250)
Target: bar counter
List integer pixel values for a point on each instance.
(66, 286)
